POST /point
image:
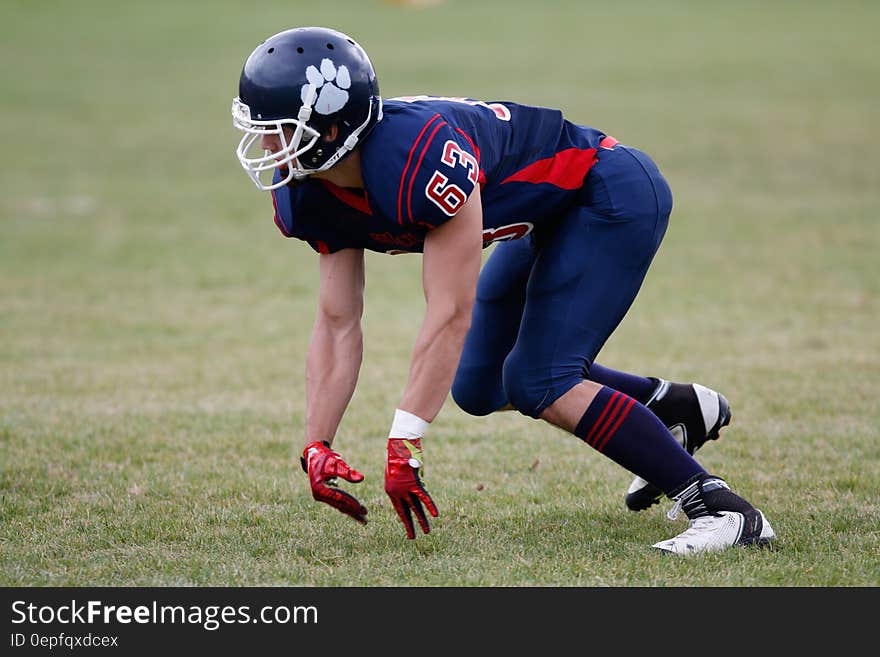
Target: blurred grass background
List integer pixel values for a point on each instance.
(153, 322)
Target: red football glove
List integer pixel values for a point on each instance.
(323, 465)
(403, 485)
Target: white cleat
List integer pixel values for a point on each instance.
(719, 518)
(712, 533)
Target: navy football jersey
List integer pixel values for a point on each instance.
(421, 163)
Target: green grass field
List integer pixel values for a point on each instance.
(154, 322)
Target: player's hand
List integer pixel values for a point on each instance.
(323, 465)
(403, 485)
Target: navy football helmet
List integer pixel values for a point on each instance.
(297, 84)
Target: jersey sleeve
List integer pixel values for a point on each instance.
(306, 212)
(441, 170)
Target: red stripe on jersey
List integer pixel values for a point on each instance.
(481, 175)
(322, 246)
(359, 203)
(412, 177)
(470, 141)
(277, 217)
(405, 168)
(566, 169)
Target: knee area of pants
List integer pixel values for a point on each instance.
(531, 392)
(474, 398)
(523, 393)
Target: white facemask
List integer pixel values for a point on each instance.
(304, 138)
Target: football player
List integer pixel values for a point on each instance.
(578, 217)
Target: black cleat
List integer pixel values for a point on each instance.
(693, 414)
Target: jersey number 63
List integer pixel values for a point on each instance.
(446, 195)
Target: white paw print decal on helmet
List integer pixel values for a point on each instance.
(330, 83)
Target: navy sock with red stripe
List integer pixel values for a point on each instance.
(629, 434)
(639, 387)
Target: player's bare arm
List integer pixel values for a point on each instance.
(450, 267)
(336, 346)
(332, 367)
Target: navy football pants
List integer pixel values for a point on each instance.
(545, 307)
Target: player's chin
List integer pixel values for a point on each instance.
(284, 172)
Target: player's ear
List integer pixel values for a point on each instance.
(331, 134)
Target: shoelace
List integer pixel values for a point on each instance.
(692, 497)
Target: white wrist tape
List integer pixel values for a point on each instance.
(407, 425)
